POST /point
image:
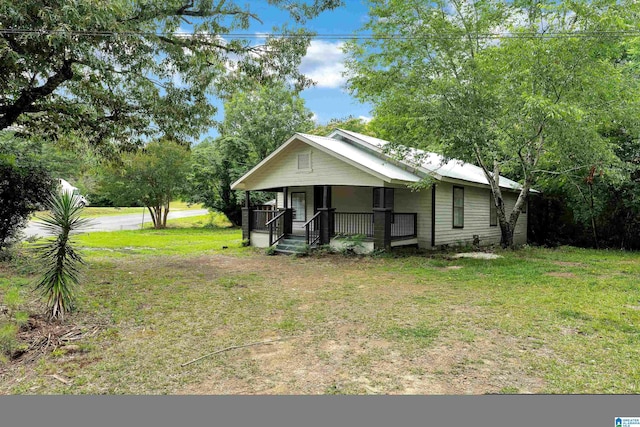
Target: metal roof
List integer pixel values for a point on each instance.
(432, 163)
(367, 153)
(368, 160)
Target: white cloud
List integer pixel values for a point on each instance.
(324, 63)
(365, 119)
(315, 118)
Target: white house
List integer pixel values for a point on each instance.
(344, 185)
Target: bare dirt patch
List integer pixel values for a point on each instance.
(568, 264)
(342, 354)
(562, 274)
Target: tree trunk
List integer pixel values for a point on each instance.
(506, 235)
(153, 217)
(158, 223)
(164, 216)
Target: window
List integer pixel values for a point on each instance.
(304, 161)
(458, 207)
(493, 211)
(298, 203)
(383, 198)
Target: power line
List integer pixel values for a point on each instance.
(327, 36)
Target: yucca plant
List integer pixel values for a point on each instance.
(60, 261)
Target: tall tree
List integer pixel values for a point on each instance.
(126, 71)
(264, 117)
(503, 85)
(215, 165)
(257, 120)
(152, 176)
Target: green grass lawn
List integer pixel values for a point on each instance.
(534, 321)
(94, 212)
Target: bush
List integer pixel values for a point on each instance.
(24, 186)
(60, 261)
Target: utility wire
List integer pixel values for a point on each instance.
(252, 36)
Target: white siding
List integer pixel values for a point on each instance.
(476, 217)
(352, 199)
(407, 201)
(282, 171)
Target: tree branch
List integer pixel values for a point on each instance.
(29, 96)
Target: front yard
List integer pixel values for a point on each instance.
(534, 321)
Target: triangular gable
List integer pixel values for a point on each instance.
(338, 162)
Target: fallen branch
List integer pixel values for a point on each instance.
(59, 378)
(233, 348)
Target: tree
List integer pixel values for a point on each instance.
(151, 176)
(263, 118)
(25, 185)
(256, 122)
(61, 262)
(503, 85)
(215, 165)
(354, 124)
(120, 73)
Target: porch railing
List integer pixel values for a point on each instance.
(260, 218)
(352, 223)
(312, 229)
(404, 225)
(276, 228)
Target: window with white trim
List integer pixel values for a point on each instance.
(458, 207)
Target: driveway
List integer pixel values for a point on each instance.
(115, 223)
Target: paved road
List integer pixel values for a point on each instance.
(115, 223)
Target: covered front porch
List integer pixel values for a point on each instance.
(334, 215)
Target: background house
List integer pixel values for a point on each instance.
(345, 185)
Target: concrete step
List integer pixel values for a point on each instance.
(286, 251)
(290, 245)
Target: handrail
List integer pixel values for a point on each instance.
(315, 223)
(312, 218)
(274, 218)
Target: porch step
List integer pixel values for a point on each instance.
(290, 245)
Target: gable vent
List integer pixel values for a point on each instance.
(304, 161)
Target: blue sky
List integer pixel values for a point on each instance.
(324, 62)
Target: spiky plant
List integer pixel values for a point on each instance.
(60, 261)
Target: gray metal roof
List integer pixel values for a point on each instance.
(431, 163)
(363, 158)
(367, 153)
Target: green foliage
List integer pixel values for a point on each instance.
(262, 118)
(256, 122)
(515, 104)
(215, 164)
(152, 176)
(119, 73)
(24, 186)
(352, 245)
(13, 300)
(60, 261)
(351, 123)
(8, 339)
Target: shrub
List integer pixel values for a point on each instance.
(60, 260)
